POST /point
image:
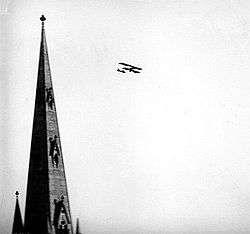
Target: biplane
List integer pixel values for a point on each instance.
(130, 68)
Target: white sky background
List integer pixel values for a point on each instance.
(167, 150)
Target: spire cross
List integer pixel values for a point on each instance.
(16, 193)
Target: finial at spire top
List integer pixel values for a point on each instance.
(42, 18)
(16, 193)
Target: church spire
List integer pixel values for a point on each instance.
(77, 227)
(18, 222)
(47, 203)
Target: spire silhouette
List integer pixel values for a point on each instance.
(77, 227)
(46, 178)
(18, 222)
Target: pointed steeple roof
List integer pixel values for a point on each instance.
(46, 178)
(77, 227)
(18, 222)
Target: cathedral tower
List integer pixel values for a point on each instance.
(47, 203)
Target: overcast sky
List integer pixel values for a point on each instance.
(166, 150)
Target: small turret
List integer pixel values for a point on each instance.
(77, 227)
(18, 222)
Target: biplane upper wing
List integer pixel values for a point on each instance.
(131, 66)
